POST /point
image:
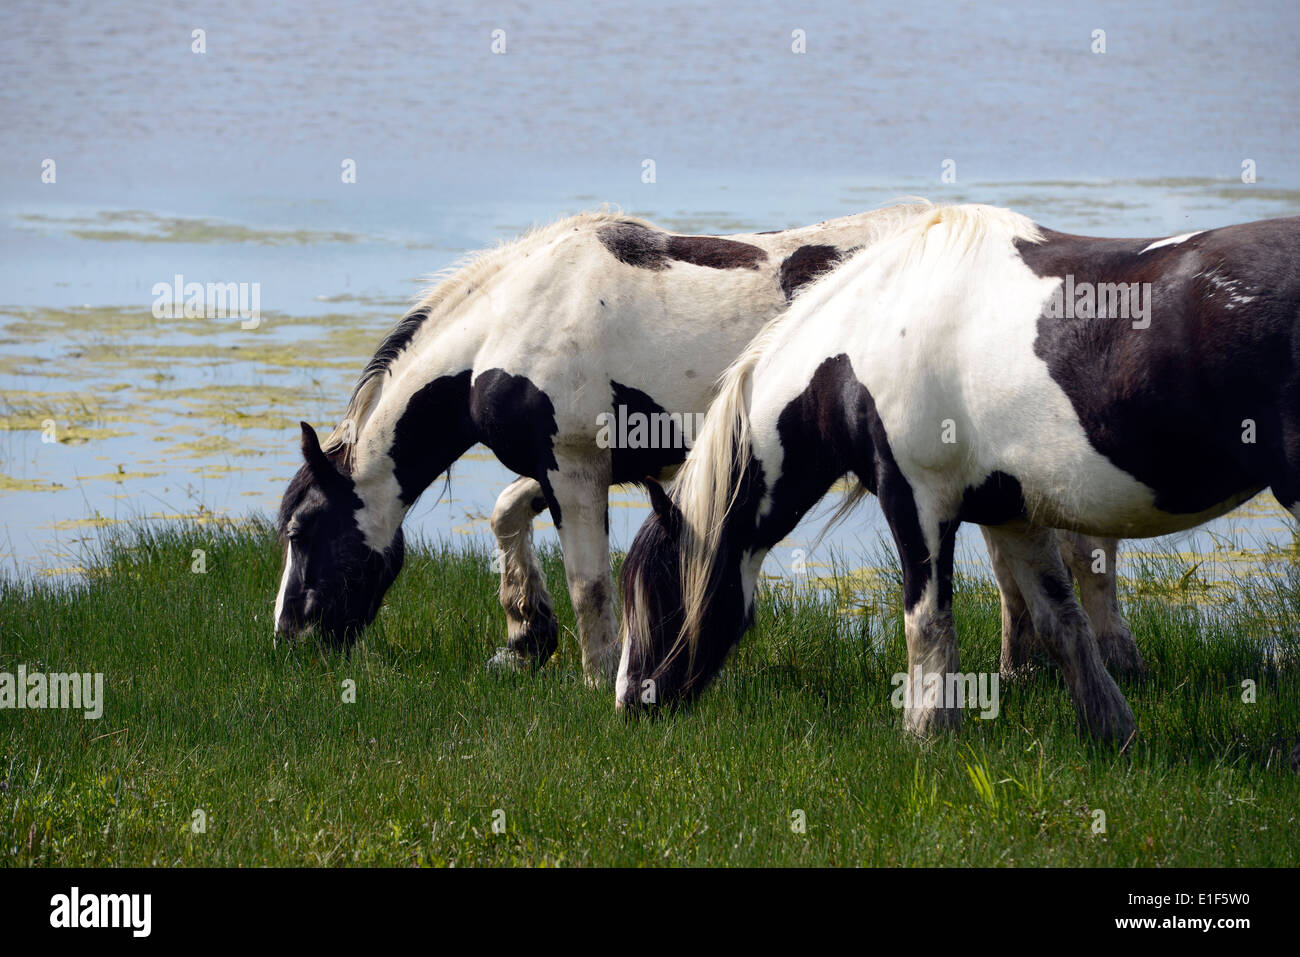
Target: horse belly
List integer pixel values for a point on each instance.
(1098, 499)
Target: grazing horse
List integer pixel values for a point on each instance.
(535, 349)
(976, 368)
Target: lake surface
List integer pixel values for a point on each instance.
(225, 166)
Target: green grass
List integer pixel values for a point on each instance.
(202, 713)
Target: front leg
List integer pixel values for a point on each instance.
(532, 629)
(582, 492)
(925, 538)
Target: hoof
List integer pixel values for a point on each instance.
(1019, 674)
(1106, 716)
(1120, 655)
(1023, 658)
(601, 671)
(923, 722)
(507, 661)
(535, 638)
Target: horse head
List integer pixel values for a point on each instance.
(333, 580)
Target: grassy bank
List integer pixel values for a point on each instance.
(202, 713)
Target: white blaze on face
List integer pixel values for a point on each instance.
(620, 685)
(634, 620)
(284, 584)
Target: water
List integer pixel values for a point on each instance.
(225, 166)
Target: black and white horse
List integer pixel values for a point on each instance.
(528, 349)
(976, 368)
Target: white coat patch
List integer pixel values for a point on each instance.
(1172, 241)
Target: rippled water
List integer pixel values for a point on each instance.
(225, 166)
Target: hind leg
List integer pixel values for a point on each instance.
(1092, 562)
(532, 628)
(1021, 650)
(1034, 558)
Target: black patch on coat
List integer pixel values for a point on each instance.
(1166, 404)
(634, 244)
(833, 428)
(995, 501)
(433, 432)
(516, 420)
(942, 569)
(647, 248)
(817, 446)
(714, 252)
(634, 464)
(804, 265)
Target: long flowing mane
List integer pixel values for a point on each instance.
(447, 290)
(708, 483)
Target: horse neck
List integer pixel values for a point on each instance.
(776, 491)
(419, 425)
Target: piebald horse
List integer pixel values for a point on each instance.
(524, 349)
(974, 367)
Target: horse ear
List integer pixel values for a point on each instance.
(664, 507)
(322, 469)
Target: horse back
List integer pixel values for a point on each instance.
(1193, 391)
